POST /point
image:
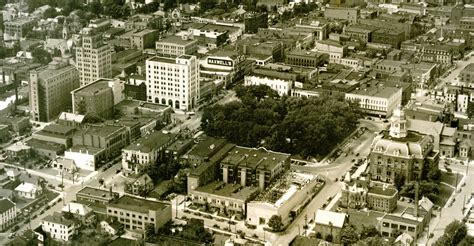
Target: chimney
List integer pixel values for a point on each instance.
(416, 199)
(110, 191)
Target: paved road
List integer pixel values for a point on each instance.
(453, 212)
(460, 65)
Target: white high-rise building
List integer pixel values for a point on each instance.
(173, 81)
(93, 57)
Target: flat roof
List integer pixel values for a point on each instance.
(96, 192)
(85, 149)
(382, 191)
(56, 128)
(40, 144)
(377, 91)
(154, 140)
(127, 202)
(94, 87)
(254, 158)
(176, 40)
(206, 147)
(228, 190)
(101, 130)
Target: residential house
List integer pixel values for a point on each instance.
(28, 191)
(328, 223)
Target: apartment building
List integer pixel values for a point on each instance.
(49, 90)
(136, 213)
(173, 81)
(436, 53)
(253, 167)
(8, 213)
(98, 97)
(58, 228)
(176, 46)
(93, 57)
(146, 151)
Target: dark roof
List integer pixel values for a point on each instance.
(207, 147)
(94, 192)
(5, 205)
(57, 218)
(138, 205)
(148, 143)
(382, 191)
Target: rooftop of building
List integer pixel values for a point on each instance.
(301, 52)
(207, 147)
(5, 205)
(144, 32)
(254, 158)
(93, 88)
(96, 192)
(53, 69)
(180, 144)
(331, 43)
(85, 149)
(152, 141)
(57, 218)
(56, 128)
(468, 68)
(361, 28)
(45, 145)
(101, 130)
(376, 91)
(203, 167)
(235, 191)
(383, 191)
(19, 21)
(130, 203)
(328, 218)
(176, 40)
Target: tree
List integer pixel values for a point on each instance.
(275, 223)
(41, 56)
(50, 13)
(329, 238)
(470, 110)
(454, 233)
(150, 235)
(369, 231)
(349, 235)
(434, 174)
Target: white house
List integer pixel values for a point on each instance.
(58, 228)
(283, 87)
(28, 190)
(7, 213)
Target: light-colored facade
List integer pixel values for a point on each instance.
(136, 213)
(58, 228)
(8, 213)
(176, 46)
(281, 86)
(145, 151)
(28, 191)
(49, 90)
(173, 81)
(377, 101)
(93, 57)
(16, 29)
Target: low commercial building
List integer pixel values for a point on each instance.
(55, 133)
(388, 36)
(285, 199)
(360, 32)
(86, 157)
(227, 66)
(328, 223)
(58, 228)
(136, 213)
(230, 198)
(305, 58)
(8, 213)
(175, 45)
(146, 151)
(378, 100)
(95, 196)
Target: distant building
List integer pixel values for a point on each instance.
(49, 90)
(58, 228)
(388, 36)
(18, 28)
(179, 88)
(348, 14)
(136, 213)
(436, 53)
(330, 223)
(140, 22)
(8, 213)
(93, 57)
(98, 98)
(400, 153)
(467, 75)
(146, 151)
(143, 39)
(377, 100)
(175, 45)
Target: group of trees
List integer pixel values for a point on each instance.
(305, 126)
(194, 230)
(428, 186)
(455, 234)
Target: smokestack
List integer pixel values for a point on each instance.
(416, 199)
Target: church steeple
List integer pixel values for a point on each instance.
(398, 124)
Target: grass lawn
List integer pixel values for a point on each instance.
(444, 194)
(359, 218)
(450, 178)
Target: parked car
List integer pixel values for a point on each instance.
(11, 235)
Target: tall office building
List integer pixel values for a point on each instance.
(50, 89)
(173, 81)
(93, 57)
